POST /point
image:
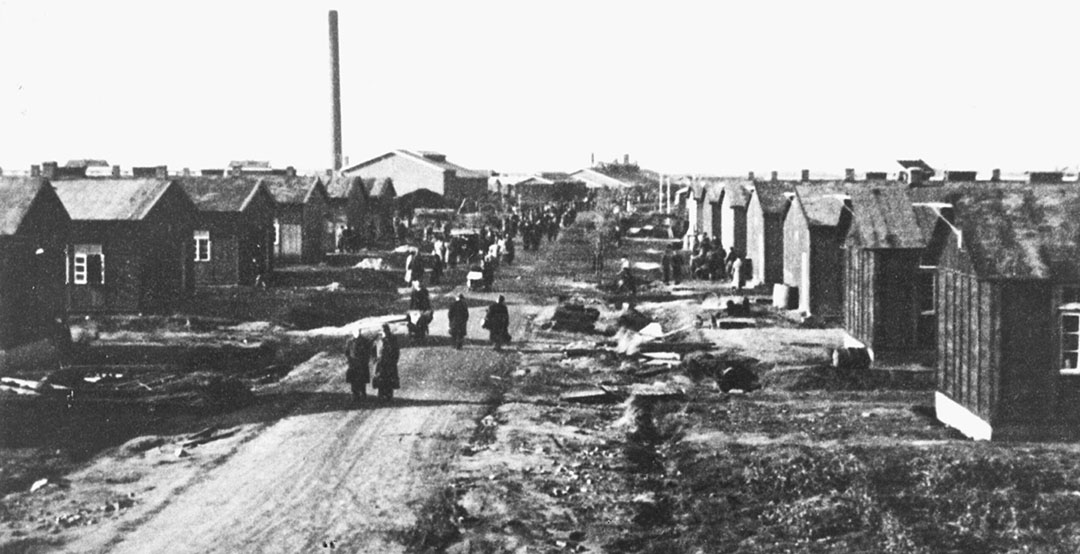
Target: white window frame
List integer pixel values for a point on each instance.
(277, 232)
(1075, 315)
(81, 265)
(1068, 307)
(202, 236)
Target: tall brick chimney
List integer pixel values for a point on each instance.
(775, 176)
(995, 175)
(335, 91)
(161, 172)
(186, 172)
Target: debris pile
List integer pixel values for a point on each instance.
(575, 318)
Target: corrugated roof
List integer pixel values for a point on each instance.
(774, 196)
(290, 190)
(219, 194)
(884, 218)
(1016, 231)
(17, 194)
(110, 199)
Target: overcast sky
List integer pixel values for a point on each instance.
(706, 87)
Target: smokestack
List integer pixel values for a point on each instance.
(335, 92)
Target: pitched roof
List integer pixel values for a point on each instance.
(594, 177)
(915, 164)
(17, 195)
(738, 191)
(1015, 231)
(884, 218)
(434, 159)
(774, 196)
(220, 194)
(382, 188)
(339, 186)
(822, 202)
(291, 190)
(110, 199)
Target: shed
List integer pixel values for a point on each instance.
(383, 195)
(233, 240)
(814, 230)
(734, 199)
(349, 206)
(34, 234)
(132, 250)
(882, 278)
(304, 230)
(765, 213)
(1008, 304)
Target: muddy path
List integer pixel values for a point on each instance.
(338, 476)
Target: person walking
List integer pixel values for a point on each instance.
(387, 353)
(458, 314)
(497, 322)
(358, 352)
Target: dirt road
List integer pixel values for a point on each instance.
(344, 479)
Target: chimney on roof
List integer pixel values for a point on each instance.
(161, 172)
(775, 176)
(995, 175)
(115, 171)
(750, 176)
(290, 171)
(805, 175)
(236, 171)
(35, 171)
(626, 159)
(187, 172)
(335, 91)
(876, 175)
(49, 170)
(920, 176)
(849, 174)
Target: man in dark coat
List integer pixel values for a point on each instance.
(358, 352)
(387, 353)
(497, 322)
(458, 314)
(665, 266)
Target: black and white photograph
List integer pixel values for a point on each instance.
(479, 277)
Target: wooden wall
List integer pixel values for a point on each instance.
(969, 343)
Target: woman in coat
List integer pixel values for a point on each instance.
(497, 322)
(387, 353)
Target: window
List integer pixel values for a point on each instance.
(277, 232)
(202, 246)
(88, 265)
(1070, 341)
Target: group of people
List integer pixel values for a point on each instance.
(709, 260)
(375, 360)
